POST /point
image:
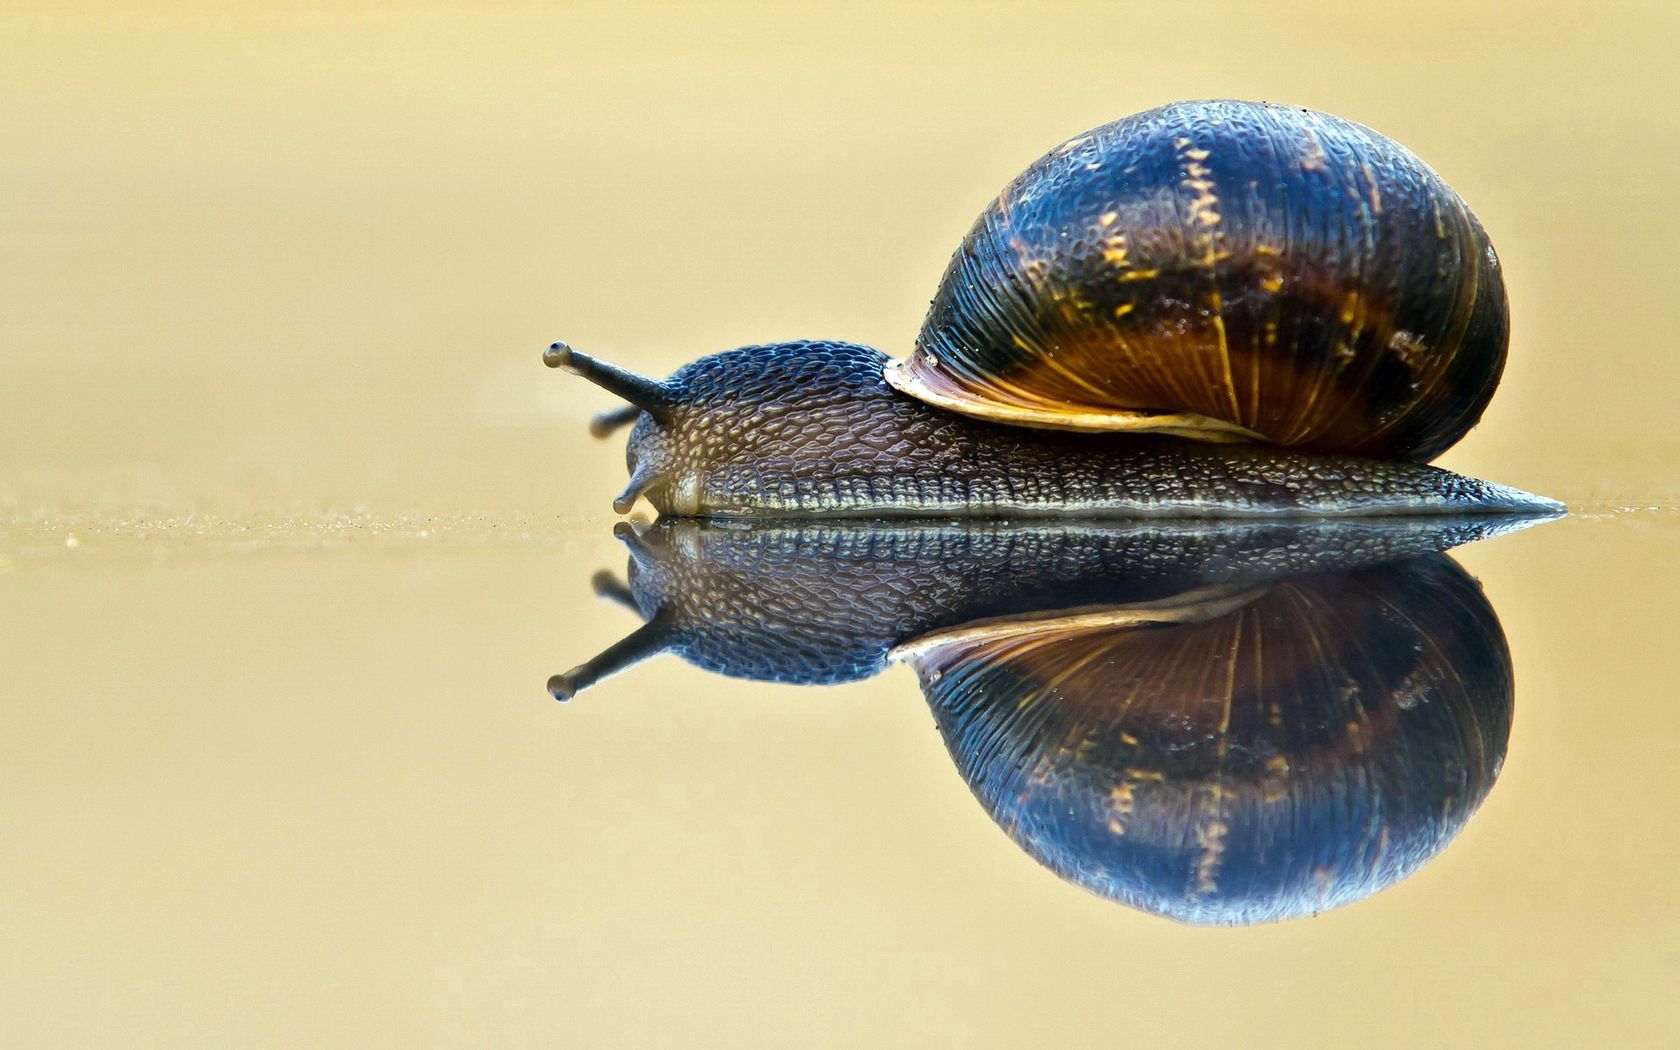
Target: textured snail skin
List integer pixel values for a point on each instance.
(820, 604)
(813, 429)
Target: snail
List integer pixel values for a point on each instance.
(1220, 724)
(1212, 308)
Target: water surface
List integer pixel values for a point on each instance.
(308, 779)
(295, 527)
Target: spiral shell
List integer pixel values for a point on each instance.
(1234, 755)
(1226, 270)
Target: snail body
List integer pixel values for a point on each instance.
(1212, 308)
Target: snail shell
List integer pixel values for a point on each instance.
(1234, 756)
(1223, 270)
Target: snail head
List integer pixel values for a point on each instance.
(655, 412)
(714, 434)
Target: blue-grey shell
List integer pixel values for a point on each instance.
(1285, 272)
(1302, 751)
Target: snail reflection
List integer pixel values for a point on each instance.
(1221, 724)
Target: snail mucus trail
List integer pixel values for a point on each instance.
(1216, 308)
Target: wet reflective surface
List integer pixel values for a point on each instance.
(254, 777)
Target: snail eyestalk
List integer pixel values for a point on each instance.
(606, 423)
(639, 483)
(650, 638)
(607, 585)
(648, 395)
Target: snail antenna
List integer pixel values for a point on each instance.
(611, 587)
(647, 543)
(604, 424)
(649, 395)
(644, 542)
(639, 483)
(633, 648)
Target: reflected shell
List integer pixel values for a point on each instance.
(1234, 756)
(1225, 270)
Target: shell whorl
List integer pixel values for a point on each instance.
(1235, 755)
(1225, 270)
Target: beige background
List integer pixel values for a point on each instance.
(295, 525)
(309, 256)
